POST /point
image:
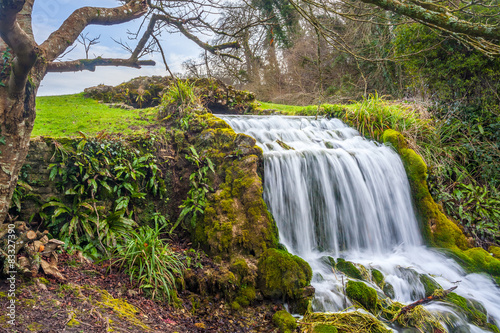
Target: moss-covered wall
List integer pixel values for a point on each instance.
(438, 229)
(237, 226)
(35, 173)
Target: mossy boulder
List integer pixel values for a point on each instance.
(473, 310)
(495, 251)
(147, 91)
(361, 293)
(437, 229)
(329, 261)
(430, 285)
(284, 321)
(236, 219)
(348, 268)
(282, 275)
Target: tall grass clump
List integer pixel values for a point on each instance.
(150, 262)
(373, 115)
(179, 99)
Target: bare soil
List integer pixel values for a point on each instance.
(92, 299)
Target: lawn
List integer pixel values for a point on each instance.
(67, 115)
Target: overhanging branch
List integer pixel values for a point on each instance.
(91, 64)
(438, 16)
(69, 31)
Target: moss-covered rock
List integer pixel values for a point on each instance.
(377, 277)
(348, 268)
(324, 328)
(361, 293)
(430, 285)
(388, 290)
(236, 219)
(436, 227)
(472, 310)
(328, 261)
(284, 321)
(345, 322)
(147, 91)
(282, 275)
(495, 251)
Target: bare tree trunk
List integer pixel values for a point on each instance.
(251, 63)
(3, 46)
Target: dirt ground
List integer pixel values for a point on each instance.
(95, 300)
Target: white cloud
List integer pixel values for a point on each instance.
(48, 16)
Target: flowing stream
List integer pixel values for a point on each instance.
(334, 193)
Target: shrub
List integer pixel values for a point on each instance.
(149, 261)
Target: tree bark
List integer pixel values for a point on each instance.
(17, 116)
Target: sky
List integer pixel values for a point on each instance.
(48, 15)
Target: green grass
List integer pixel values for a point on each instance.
(67, 115)
(284, 109)
(370, 116)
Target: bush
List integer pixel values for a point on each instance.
(150, 262)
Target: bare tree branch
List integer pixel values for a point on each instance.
(22, 45)
(69, 31)
(438, 16)
(88, 42)
(91, 64)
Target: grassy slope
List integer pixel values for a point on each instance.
(65, 116)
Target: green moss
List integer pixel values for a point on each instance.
(246, 296)
(284, 321)
(35, 327)
(359, 292)
(235, 305)
(236, 217)
(430, 285)
(324, 328)
(43, 280)
(377, 277)
(328, 261)
(240, 269)
(73, 322)
(346, 322)
(348, 269)
(472, 310)
(495, 250)
(282, 275)
(478, 260)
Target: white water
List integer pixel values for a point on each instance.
(340, 195)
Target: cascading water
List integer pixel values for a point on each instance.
(333, 193)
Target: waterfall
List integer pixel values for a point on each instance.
(334, 193)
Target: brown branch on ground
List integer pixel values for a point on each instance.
(423, 301)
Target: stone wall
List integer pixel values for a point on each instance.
(35, 172)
